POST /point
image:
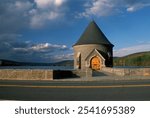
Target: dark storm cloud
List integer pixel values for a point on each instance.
(13, 15)
(12, 19)
(16, 15)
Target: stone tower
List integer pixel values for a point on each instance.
(93, 50)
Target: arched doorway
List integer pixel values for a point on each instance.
(96, 63)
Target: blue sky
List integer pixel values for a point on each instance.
(45, 30)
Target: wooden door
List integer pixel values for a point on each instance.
(95, 63)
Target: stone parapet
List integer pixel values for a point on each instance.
(128, 71)
(38, 74)
(28, 74)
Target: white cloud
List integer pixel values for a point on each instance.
(43, 3)
(40, 46)
(58, 2)
(46, 11)
(47, 3)
(39, 19)
(132, 49)
(108, 7)
(23, 5)
(43, 47)
(98, 8)
(135, 7)
(47, 46)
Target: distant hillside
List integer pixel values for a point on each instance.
(137, 59)
(64, 63)
(4, 62)
(15, 63)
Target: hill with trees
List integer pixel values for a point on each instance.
(136, 59)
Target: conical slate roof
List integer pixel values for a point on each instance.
(93, 35)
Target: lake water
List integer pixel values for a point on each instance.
(38, 67)
(131, 67)
(59, 67)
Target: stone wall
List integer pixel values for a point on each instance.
(37, 74)
(28, 74)
(83, 74)
(128, 71)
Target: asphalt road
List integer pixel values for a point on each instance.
(111, 90)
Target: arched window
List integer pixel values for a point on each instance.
(78, 61)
